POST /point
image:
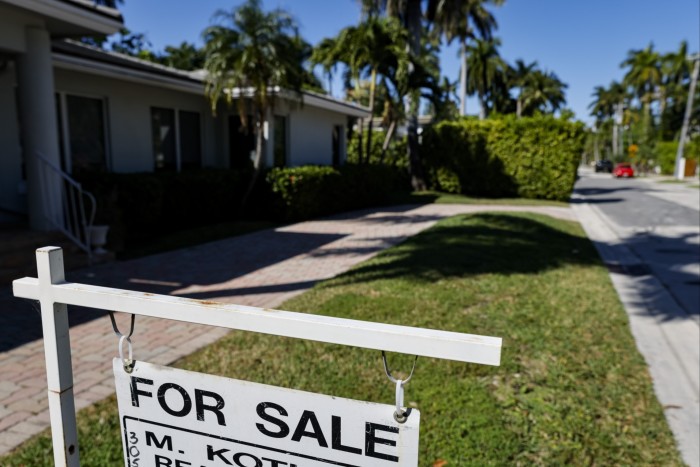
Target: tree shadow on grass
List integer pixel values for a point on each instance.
(477, 244)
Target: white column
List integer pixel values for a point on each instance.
(39, 127)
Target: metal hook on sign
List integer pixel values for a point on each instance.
(116, 329)
(128, 362)
(400, 415)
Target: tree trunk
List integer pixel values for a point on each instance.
(258, 162)
(415, 168)
(360, 126)
(372, 89)
(482, 110)
(387, 140)
(463, 81)
(519, 107)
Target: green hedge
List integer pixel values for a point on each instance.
(666, 153)
(312, 191)
(532, 157)
(139, 206)
(396, 153)
(142, 206)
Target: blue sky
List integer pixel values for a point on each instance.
(583, 41)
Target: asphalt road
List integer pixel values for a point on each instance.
(659, 223)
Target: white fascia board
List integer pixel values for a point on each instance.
(328, 103)
(100, 24)
(68, 62)
(310, 99)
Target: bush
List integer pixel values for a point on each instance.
(666, 156)
(312, 191)
(140, 206)
(396, 153)
(532, 157)
(666, 153)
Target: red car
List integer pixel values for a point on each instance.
(623, 170)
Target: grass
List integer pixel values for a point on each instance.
(426, 197)
(672, 181)
(571, 388)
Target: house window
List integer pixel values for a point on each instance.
(337, 132)
(163, 132)
(190, 140)
(280, 141)
(81, 123)
(177, 139)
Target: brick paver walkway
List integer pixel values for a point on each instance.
(260, 269)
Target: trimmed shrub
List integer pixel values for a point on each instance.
(666, 156)
(396, 154)
(532, 157)
(140, 206)
(666, 153)
(312, 191)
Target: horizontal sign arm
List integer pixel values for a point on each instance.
(393, 338)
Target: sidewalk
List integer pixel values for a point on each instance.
(260, 269)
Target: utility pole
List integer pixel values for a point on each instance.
(680, 160)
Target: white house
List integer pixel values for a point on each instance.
(67, 105)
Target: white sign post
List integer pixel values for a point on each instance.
(54, 293)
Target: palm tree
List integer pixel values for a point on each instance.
(486, 67)
(602, 107)
(606, 107)
(376, 47)
(675, 69)
(410, 14)
(544, 91)
(185, 57)
(462, 19)
(644, 74)
(248, 52)
(521, 77)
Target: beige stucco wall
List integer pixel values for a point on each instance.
(129, 117)
(311, 135)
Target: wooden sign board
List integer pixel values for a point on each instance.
(177, 418)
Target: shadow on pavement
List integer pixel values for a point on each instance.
(163, 273)
(596, 200)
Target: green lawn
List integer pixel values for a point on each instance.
(571, 389)
(425, 197)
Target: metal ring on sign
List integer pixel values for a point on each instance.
(116, 329)
(128, 362)
(400, 415)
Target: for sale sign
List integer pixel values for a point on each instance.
(176, 418)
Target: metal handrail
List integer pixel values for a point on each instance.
(72, 219)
